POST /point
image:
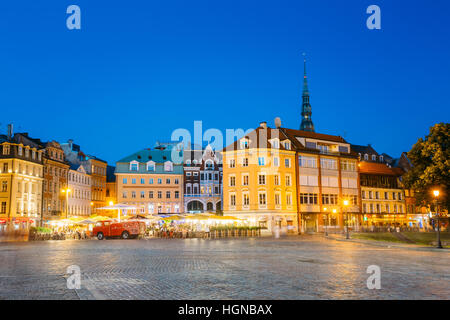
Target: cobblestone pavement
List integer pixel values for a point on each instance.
(265, 268)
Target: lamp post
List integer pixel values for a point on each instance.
(66, 192)
(436, 195)
(326, 224)
(345, 202)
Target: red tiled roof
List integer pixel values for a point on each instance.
(378, 168)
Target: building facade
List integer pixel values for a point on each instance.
(383, 198)
(21, 179)
(152, 181)
(259, 179)
(55, 182)
(93, 166)
(79, 184)
(202, 180)
(327, 181)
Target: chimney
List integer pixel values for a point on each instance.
(277, 122)
(10, 131)
(263, 124)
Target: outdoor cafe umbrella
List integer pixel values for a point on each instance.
(118, 207)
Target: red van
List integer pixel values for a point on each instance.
(125, 229)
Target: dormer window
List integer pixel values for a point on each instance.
(381, 158)
(275, 143)
(194, 162)
(188, 162)
(134, 166)
(244, 144)
(27, 152)
(150, 166)
(287, 145)
(20, 150)
(366, 157)
(209, 165)
(168, 166)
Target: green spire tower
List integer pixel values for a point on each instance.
(307, 124)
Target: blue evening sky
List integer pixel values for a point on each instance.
(137, 70)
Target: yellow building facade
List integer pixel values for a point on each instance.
(21, 179)
(259, 180)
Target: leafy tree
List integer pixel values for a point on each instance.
(430, 158)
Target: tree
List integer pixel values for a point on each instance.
(430, 158)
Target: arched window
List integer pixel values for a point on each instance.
(209, 164)
(134, 166)
(366, 157)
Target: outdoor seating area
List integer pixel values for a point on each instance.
(168, 226)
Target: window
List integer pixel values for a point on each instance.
(177, 181)
(4, 186)
(142, 194)
(150, 166)
(5, 167)
(261, 161)
(150, 194)
(150, 181)
(348, 165)
(288, 199)
(245, 162)
(287, 145)
(276, 161)
(308, 198)
(363, 194)
(366, 157)
(330, 164)
(133, 166)
(277, 199)
(381, 158)
(232, 181)
(245, 199)
(133, 194)
(20, 150)
(287, 163)
(232, 163)
(167, 194)
(159, 194)
(261, 179)
(168, 166)
(244, 144)
(167, 181)
(288, 180)
(276, 180)
(142, 181)
(377, 195)
(3, 209)
(133, 181)
(124, 194)
(374, 157)
(245, 180)
(262, 199)
(159, 181)
(6, 148)
(177, 194)
(232, 200)
(307, 162)
(399, 196)
(394, 196)
(386, 195)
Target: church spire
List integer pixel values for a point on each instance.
(306, 124)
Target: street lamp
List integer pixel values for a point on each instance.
(436, 195)
(326, 224)
(66, 191)
(346, 202)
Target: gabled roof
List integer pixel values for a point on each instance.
(259, 138)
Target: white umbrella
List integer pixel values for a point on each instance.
(118, 207)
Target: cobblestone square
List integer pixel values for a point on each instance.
(265, 268)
